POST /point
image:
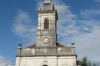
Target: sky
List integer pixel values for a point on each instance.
(79, 22)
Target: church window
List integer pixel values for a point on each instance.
(46, 23)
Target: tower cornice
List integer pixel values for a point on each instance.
(47, 11)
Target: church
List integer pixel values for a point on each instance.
(47, 51)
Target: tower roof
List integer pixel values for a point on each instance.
(47, 5)
(47, 1)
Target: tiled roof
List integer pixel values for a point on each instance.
(33, 46)
(79, 63)
(60, 45)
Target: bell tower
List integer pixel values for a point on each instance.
(47, 30)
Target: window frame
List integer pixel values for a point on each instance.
(46, 23)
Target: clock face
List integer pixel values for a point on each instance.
(46, 40)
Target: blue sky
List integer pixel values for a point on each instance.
(79, 22)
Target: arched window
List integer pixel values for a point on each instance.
(46, 23)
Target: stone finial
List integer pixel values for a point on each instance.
(47, 1)
(72, 43)
(20, 45)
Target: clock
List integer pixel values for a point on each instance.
(46, 40)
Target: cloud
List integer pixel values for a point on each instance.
(66, 19)
(88, 44)
(1, 57)
(24, 27)
(83, 31)
(92, 13)
(97, 1)
(4, 62)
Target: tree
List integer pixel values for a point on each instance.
(89, 64)
(95, 65)
(84, 61)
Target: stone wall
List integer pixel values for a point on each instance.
(46, 60)
(60, 51)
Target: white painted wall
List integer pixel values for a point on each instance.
(48, 60)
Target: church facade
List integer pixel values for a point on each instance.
(47, 51)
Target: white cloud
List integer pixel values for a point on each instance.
(66, 18)
(88, 44)
(5, 62)
(85, 33)
(24, 27)
(1, 57)
(90, 13)
(97, 1)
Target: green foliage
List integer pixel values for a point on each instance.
(89, 64)
(95, 65)
(84, 61)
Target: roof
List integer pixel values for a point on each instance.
(47, 6)
(47, 1)
(33, 46)
(60, 45)
(79, 63)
